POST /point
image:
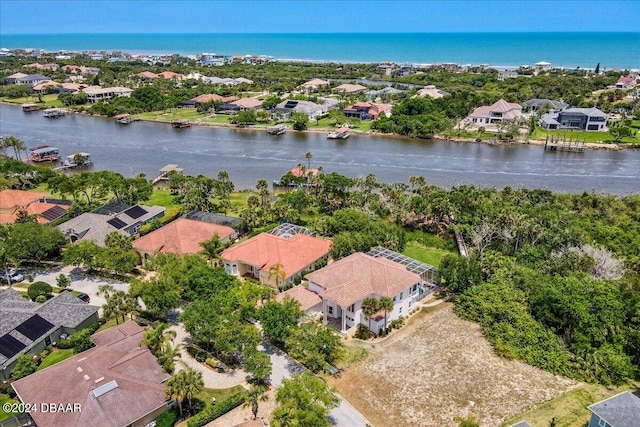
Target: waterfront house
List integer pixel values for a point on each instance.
(432, 92)
(589, 119)
(386, 67)
(288, 249)
(348, 88)
(182, 236)
(295, 106)
(402, 71)
(344, 284)
(122, 219)
(367, 110)
(242, 104)
(621, 410)
(116, 383)
(207, 98)
(97, 94)
(500, 111)
(30, 327)
(31, 79)
(42, 87)
(541, 67)
(536, 104)
(14, 201)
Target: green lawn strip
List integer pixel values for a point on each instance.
(220, 395)
(48, 101)
(570, 408)
(428, 255)
(581, 136)
(4, 398)
(55, 357)
(162, 198)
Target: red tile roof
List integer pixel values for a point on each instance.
(182, 236)
(148, 75)
(209, 97)
(266, 250)
(298, 172)
(117, 360)
(359, 275)
(14, 199)
(304, 296)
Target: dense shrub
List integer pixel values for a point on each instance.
(37, 289)
(168, 419)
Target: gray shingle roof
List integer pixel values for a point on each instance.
(540, 103)
(622, 410)
(521, 424)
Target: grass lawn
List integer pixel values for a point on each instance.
(238, 201)
(220, 395)
(570, 408)
(426, 254)
(50, 100)
(55, 357)
(592, 137)
(164, 198)
(4, 398)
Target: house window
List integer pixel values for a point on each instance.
(415, 288)
(330, 310)
(603, 423)
(401, 294)
(352, 308)
(234, 269)
(47, 341)
(400, 311)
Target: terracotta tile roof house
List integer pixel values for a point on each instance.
(300, 173)
(367, 110)
(626, 82)
(432, 92)
(116, 384)
(11, 201)
(344, 284)
(42, 86)
(242, 104)
(182, 236)
(314, 84)
(96, 226)
(148, 75)
(349, 88)
(310, 302)
(213, 97)
(622, 410)
(500, 111)
(260, 253)
(169, 75)
(29, 327)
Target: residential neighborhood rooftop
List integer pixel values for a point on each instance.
(622, 410)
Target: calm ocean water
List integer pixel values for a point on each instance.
(586, 50)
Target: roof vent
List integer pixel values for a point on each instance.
(105, 388)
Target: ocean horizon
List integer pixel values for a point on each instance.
(569, 50)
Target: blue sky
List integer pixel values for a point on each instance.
(262, 16)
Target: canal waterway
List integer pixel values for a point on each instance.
(249, 155)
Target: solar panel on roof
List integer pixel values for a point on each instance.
(117, 223)
(53, 213)
(9, 346)
(34, 327)
(135, 212)
(291, 104)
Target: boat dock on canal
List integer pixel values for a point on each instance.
(555, 144)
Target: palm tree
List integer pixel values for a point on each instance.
(370, 306)
(211, 248)
(277, 271)
(168, 357)
(308, 156)
(177, 389)
(253, 397)
(194, 382)
(158, 339)
(386, 304)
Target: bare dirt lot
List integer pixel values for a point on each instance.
(437, 367)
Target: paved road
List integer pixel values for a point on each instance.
(283, 366)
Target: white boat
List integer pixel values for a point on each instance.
(342, 133)
(54, 112)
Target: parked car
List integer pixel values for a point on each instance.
(12, 276)
(85, 298)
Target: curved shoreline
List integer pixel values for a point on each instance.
(588, 145)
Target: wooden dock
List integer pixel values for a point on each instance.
(555, 144)
(180, 123)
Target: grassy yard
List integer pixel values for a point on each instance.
(4, 398)
(426, 254)
(220, 395)
(55, 357)
(590, 137)
(48, 101)
(570, 408)
(164, 198)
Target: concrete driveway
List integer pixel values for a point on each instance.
(79, 281)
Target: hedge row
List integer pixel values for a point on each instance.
(212, 412)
